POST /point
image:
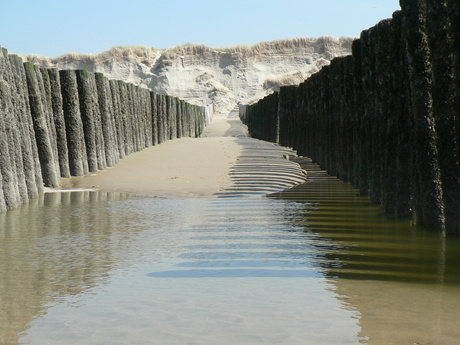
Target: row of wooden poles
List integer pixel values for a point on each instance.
(387, 117)
(66, 123)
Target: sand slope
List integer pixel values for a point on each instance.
(225, 161)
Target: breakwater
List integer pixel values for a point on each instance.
(385, 118)
(66, 123)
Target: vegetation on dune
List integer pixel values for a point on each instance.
(121, 52)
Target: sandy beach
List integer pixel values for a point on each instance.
(190, 167)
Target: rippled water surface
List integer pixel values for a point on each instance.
(318, 265)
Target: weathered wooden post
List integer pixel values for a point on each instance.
(27, 160)
(446, 114)
(357, 112)
(118, 118)
(147, 113)
(428, 191)
(385, 115)
(10, 196)
(160, 118)
(154, 110)
(59, 122)
(454, 32)
(107, 120)
(45, 91)
(40, 110)
(404, 122)
(78, 163)
(125, 118)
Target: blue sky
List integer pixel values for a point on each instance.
(56, 27)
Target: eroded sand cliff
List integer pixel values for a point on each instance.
(221, 77)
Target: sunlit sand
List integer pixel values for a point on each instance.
(186, 167)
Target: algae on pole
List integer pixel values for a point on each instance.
(385, 118)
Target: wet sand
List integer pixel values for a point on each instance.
(186, 167)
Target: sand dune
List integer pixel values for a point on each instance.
(221, 77)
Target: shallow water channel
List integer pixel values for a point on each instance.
(315, 266)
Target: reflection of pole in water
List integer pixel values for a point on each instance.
(441, 262)
(39, 267)
(440, 279)
(396, 276)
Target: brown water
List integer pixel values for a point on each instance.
(318, 265)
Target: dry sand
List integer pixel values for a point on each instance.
(186, 167)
